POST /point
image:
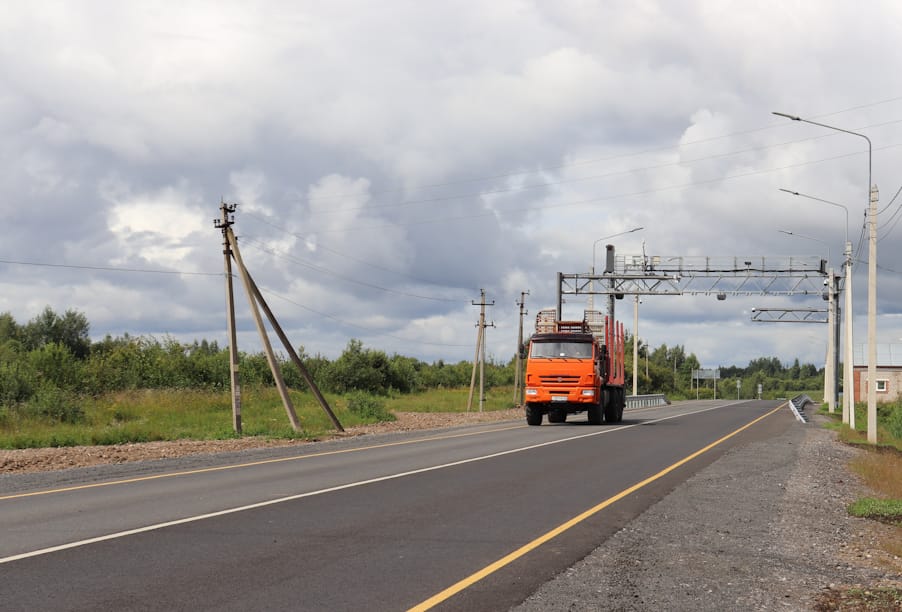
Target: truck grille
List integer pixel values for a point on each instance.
(562, 380)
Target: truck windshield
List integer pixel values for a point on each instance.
(550, 350)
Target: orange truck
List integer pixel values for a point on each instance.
(573, 367)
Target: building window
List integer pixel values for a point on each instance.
(882, 385)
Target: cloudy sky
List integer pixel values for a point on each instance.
(391, 159)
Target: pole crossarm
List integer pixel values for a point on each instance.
(639, 275)
(789, 315)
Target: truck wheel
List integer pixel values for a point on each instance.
(595, 414)
(557, 415)
(533, 415)
(610, 413)
(621, 405)
(610, 405)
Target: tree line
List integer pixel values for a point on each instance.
(48, 363)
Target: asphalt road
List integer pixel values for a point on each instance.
(490, 511)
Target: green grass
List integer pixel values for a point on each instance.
(887, 427)
(880, 467)
(886, 510)
(859, 598)
(452, 400)
(150, 415)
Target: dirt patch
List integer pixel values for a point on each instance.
(859, 600)
(61, 458)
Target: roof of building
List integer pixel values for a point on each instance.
(888, 355)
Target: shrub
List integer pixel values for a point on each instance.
(357, 369)
(51, 402)
(367, 406)
(56, 364)
(17, 382)
(894, 421)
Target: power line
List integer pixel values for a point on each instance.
(893, 199)
(108, 268)
(340, 254)
(890, 223)
(521, 188)
(624, 155)
(597, 199)
(262, 247)
(366, 329)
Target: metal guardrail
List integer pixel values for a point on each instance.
(797, 405)
(644, 401)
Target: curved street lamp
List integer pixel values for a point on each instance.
(798, 235)
(594, 244)
(848, 405)
(830, 372)
(636, 310)
(810, 197)
(848, 384)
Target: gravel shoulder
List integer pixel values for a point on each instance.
(32, 460)
(763, 528)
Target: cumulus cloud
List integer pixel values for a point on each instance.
(389, 164)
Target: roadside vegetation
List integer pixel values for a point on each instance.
(58, 388)
(881, 465)
(880, 468)
(668, 370)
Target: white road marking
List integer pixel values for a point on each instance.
(263, 504)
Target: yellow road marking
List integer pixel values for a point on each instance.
(523, 550)
(253, 463)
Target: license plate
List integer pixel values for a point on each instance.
(558, 398)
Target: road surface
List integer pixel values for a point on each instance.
(473, 518)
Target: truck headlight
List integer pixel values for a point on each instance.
(588, 392)
(532, 392)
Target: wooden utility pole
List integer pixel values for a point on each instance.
(476, 356)
(225, 221)
(264, 338)
(480, 353)
(518, 374)
(256, 301)
(294, 356)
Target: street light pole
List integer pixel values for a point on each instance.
(872, 316)
(848, 406)
(848, 413)
(872, 285)
(594, 244)
(798, 235)
(636, 346)
(830, 364)
(832, 127)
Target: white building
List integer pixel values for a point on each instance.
(889, 372)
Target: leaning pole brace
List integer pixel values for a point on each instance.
(294, 356)
(267, 347)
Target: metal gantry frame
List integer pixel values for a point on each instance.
(703, 275)
(719, 276)
(789, 315)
